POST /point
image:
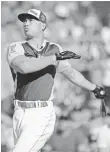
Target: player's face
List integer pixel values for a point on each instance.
(32, 27)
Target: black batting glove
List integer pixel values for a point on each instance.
(99, 92)
(67, 55)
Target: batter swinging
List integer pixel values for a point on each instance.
(35, 62)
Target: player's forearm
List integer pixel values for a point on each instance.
(77, 78)
(86, 84)
(34, 64)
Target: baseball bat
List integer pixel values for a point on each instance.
(103, 109)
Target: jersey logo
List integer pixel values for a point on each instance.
(12, 48)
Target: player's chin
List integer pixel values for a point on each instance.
(28, 36)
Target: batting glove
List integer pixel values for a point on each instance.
(99, 92)
(67, 55)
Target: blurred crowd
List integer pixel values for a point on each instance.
(79, 27)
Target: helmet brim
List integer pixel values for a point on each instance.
(23, 16)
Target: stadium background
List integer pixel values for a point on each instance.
(82, 27)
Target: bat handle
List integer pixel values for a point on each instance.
(103, 108)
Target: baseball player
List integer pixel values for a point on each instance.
(35, 62)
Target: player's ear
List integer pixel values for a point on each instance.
(43, 26)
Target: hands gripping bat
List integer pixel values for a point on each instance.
(100, 93)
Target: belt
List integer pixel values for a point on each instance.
(31, 104)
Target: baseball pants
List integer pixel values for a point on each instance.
(32, 127)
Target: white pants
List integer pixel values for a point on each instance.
(32, 127)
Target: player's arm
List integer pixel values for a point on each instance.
(18, 61)
(75, 76)
(72, 74)
(28, 65)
